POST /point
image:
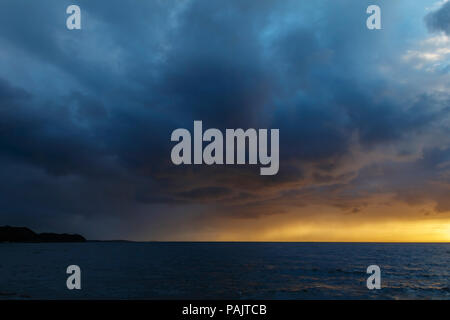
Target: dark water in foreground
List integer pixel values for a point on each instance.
(224, 270)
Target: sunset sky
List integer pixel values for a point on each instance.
(364, 118)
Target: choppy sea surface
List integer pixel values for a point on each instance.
(159, 270)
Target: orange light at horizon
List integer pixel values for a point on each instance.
(376, 223)
(393, 231)
(335, 231)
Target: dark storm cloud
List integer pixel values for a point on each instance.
(207, 193)
(9, 93)
(439, 20)
(45, 137)
(415, 183)
(91, 136)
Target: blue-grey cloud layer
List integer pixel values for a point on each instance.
(439, 20)
(86, 116)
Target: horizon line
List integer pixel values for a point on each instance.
(250, 241)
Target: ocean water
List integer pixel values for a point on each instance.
(158, 270)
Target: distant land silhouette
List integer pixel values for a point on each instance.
(22, 234)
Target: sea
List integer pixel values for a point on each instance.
(224, 270)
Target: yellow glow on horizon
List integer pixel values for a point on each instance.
(394, 231)
(382, 222)
(334, 231)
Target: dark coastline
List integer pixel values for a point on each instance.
(22, 234)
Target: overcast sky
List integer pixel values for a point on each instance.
(86, 117)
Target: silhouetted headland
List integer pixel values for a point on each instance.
(22, 234)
